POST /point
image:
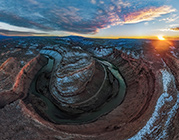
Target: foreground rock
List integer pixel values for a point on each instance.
(15, 81)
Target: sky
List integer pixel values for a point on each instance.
(90, 18)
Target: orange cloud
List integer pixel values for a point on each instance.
(147, 14)
(175, 29)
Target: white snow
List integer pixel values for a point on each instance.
(53, 54)
(174, 54)
(29, 52)
(100, 52)
(33, 46)
(149, 128)
(136, 56)
(118, 48)
(166, 78)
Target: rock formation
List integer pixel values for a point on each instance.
(86, 91)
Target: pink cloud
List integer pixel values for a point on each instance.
(147, 14)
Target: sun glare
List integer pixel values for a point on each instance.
(160, 37)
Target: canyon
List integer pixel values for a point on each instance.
(143, 74)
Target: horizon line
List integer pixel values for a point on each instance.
(96, 37)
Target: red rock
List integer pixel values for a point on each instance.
(15, 81)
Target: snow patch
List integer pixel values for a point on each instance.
(52, 54)
(151, 128)
(172, 52)
(166, 78)
(29, 52)
(100, 52)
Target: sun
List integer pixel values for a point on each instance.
(160, 37)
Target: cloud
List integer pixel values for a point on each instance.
(8, 27)
(146, 23)
(170, 28)
(170, 19)
(33, 2)
(175, 29)
(147, 14)
(93, 1)
(18, 33)
(174, 25)
(83, 17)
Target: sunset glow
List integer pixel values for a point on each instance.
(160, 37)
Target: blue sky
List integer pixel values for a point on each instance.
(91, 18)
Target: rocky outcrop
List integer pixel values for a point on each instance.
(15, 82)
(8, 72)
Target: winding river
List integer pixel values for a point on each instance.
(57, 116)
